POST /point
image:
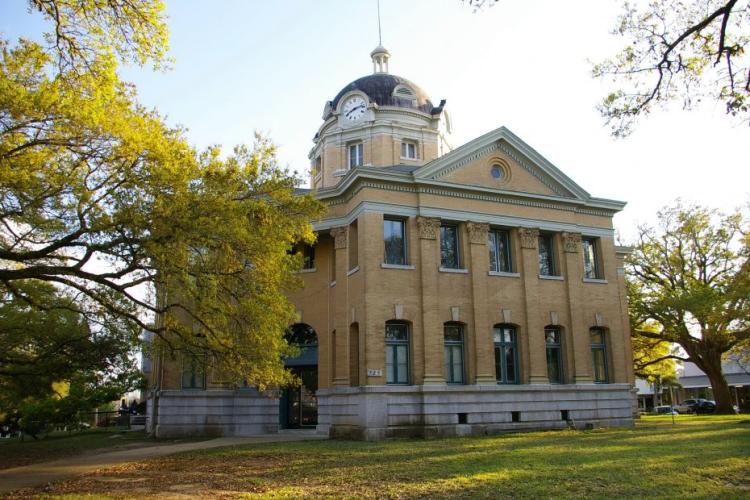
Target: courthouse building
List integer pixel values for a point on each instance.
(451, 291)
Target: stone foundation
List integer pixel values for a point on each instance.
(377, 412)
(240, 412)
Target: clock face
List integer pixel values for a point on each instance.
(354, 108)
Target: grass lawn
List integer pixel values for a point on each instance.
(14, 452)
(698, 457)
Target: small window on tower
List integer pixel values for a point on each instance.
(318, 167)
(409, 150)
(356, 155)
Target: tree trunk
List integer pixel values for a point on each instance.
(722, 396)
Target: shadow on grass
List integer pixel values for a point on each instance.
(704, 458)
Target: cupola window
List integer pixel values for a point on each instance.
(409, 150)
(403, 91)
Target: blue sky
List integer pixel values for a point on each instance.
(242, 66)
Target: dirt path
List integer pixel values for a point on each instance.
(39, 474)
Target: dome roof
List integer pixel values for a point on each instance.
(380, 88)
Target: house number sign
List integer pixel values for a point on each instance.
(374, 372)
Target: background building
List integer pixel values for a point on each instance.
(451, 291)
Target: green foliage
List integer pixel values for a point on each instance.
(60, 357)
(99, 197)
(689, 284)
(678, 50)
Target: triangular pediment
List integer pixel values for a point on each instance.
(500, 160)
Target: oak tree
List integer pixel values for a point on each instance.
(678, 50)
(689, 279)
(101, 198)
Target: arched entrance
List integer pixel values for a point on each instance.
(299, 405)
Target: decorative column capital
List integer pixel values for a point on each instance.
(478, 232)
(571, 242)
(340, 235)
(529, 237)
(428, 227)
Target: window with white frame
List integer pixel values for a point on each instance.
(394, 236)
(592, 268)
(454, 352)
(356, 155)
(499, 245)
(547, 258)
(409, 150)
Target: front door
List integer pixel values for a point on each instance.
(300, 402)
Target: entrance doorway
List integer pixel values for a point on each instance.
(301, 401)
(298, 406)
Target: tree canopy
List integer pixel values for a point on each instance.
(652, 357)
(686, 51)
(99, 197)
(689, 281)
(57, 361)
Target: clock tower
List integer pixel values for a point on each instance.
(379, 121)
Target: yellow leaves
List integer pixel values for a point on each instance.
(61, 389)
(84, 30)
(82, 163)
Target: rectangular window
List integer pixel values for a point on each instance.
(356, 155)
(333, 260)
(394, 236)
(353, 245)
(506, 354)
(599, 355)
(396, 353)
(591, 266)
(454, 353)
(409, 150)
(449, 245)
(547, 265)
(318, 166)
(308, 254)
(554, 355)
(193, 373)
(499, 244)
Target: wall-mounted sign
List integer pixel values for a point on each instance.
(374, 372)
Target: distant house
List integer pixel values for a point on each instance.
(695, 383)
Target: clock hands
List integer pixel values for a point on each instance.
(351, 111)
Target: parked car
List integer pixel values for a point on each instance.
(688, 406)
(665, 410)
(704, 407)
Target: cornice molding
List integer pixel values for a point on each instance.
(354, 182)
(438, 213)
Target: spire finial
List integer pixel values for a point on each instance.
(380, 55)
(380, 36)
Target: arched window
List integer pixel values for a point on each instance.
(506, 354)
(403, 91)
(396, 352)
(301, 335)
(553, 340)
(454, 352)
(599, 355)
